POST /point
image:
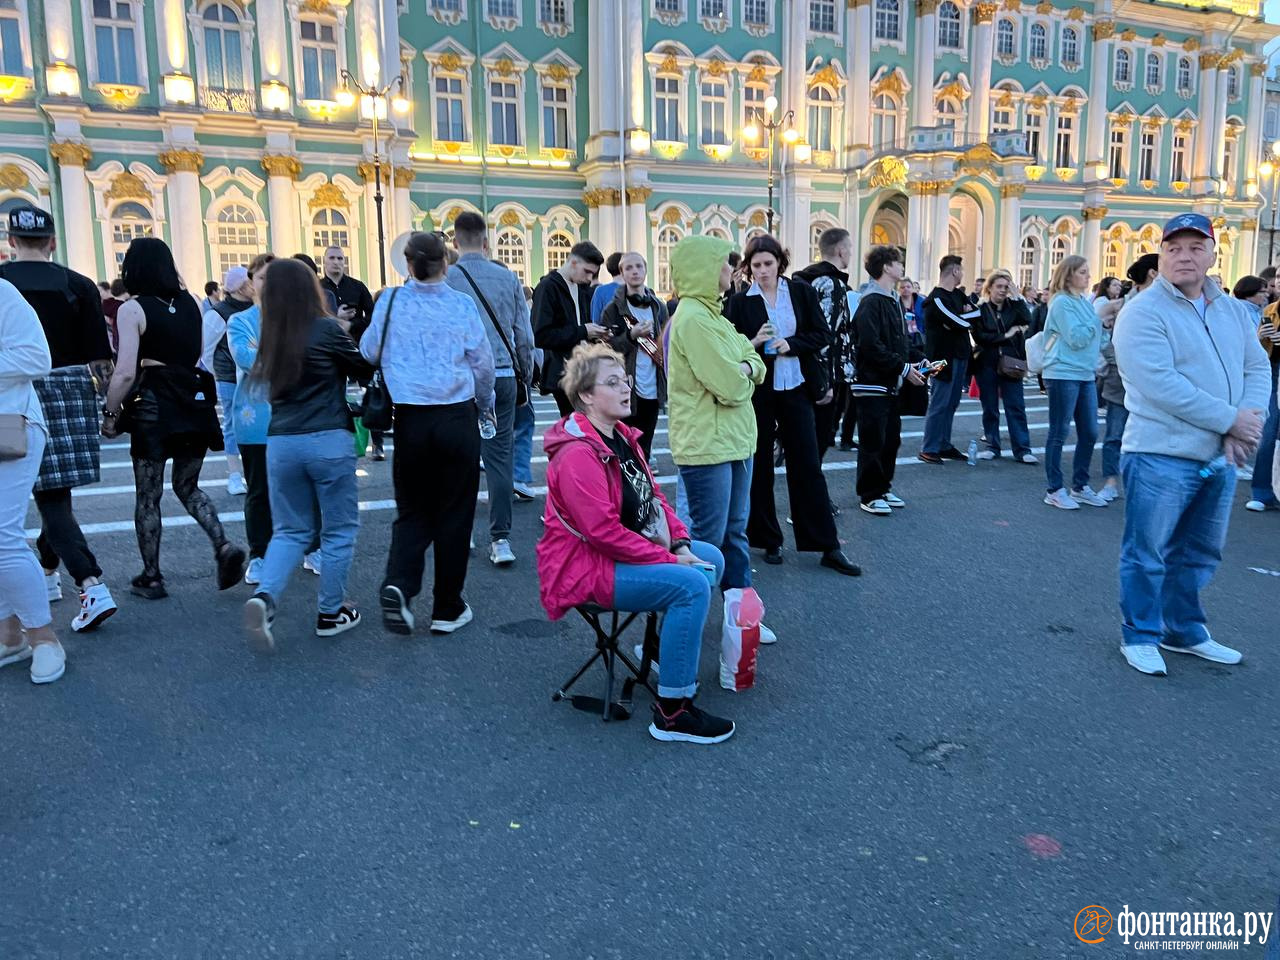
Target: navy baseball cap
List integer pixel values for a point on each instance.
(1194, 222)
(29, 221)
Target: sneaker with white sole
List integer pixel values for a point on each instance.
(1028, 458)
(767, 636)
(96, 606)
(688, 724)
(879, 508)
(253, 573)
(312, 562)
(449, 626)
(1145, 658)
(48, 662)
(1087, 494)
(396, 615)
(893, 500)
(1244, 473)
(500, 554)
(259, 619)
(1061, 499)
(522, 492)
(236, 485)
(1110, 492)
(987, 455)
(17, 654)
(53, 586)
(1256, 506)
(332, 624)
(1209, 650)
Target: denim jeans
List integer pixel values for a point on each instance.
(1262, 471)
(1117, 417)
(1068, 400)
(522, 445)
(497, 454)
(1175, 524)
(994, 388)
(22, 590)
(683, 595)
(682, 502)
(226, 394)
(719, 503)
(944, 398)
(304, 470)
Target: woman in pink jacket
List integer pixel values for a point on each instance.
(611, 538)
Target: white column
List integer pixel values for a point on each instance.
(1091, 238)
(1010, 225)
(604, 65)
(794, 25)
(1207, 135)
(1247, 253)
(273, 41)
(282, 207)
(1095, 151)
(603, 227)
(186, 213)
(171, 27)
(797, 197)
(926, 55)
(853, 223)
(402, 203)
(1219, 124)
(75, 238)
(638, 223)
(983, 50)
(60, 31)
(635, 72)
(919, 216)
(858, 70)
(940, 244)
(389, 23)
(1253, 125)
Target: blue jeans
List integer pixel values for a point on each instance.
(944, 398)
(1261, 486)
(1117, 417)
(682, 502)
(304, 470)
(1068, 400)
(226, 394)
(993, 388)
(683, 594)
(719, 504)
(1175, 524)
(522, 445)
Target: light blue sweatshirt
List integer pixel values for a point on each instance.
(1072, 337)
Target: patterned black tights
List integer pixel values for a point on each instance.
(148, 476)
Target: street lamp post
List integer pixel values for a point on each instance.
(772, 124)
(351, 89)
(1269, 170)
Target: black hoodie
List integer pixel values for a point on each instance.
(880, 330)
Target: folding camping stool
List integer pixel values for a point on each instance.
(609, 651)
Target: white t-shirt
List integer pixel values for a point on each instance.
(646, 371)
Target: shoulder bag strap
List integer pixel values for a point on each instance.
(386, 324)
(515, 360)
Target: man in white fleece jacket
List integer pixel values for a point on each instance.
(1196, 386)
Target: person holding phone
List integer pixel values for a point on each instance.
(1000, 363)
(635, 318)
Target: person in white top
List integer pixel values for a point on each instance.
(635, 319)
(26, 624)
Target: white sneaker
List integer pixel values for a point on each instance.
(253, 574)
(1244, 473)
(236, 485)
(16, 654)
(1028, 458)
(53, 586)
(259, 619)
(1087, 494)
(1209, 650)
(500, 554)
(448, 626)
(1144, 658)
(471, 543)
(1256, 506)
(879, 508)
(96, 606)
(1061, 499)
(895, 501)
(312, 562)
(1109, 492)
(767, 636)
(986, 454)
(48, 662)
(522, 492)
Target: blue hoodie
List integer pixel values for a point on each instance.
(1072, 337)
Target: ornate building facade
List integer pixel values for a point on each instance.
(1010, 132)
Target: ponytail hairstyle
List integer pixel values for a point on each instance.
(425, 253)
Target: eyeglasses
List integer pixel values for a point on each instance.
(614, 383)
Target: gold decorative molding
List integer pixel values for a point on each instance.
(1013, 6)
(890, 172)
(1013, 190)
(71, 153)
(1210, 60)
(1191, 44)
(12, 87)
(328, 195)
(13, 177)
(1075, 14)
(926, 7)
(1159, 40)
(978, 159)
(1231, 56)
(119, 95)
(1034, 172)
(1182, 126)
(954, 90)
(757, 74)
(1129, 35)
(670, 149)
(1219, 222)
(504, 67)
(316, 6)
(758, 219)
(716, 68)
(672, 215)
(126, 186)
(602, 197)
(450, 61)
(558, 72)
(1258, 69)
(509, 218)
(1249, 224)
(639, 194)
(1104, 30)
(1093, 213)
(181, 161)
(403, 177)
(282, 165)
(1044, 8)
(669, 63)
(1147, 184)
(1005, 99)
(826, 75)
(365, 171)
(1065, 174)
(891, 83)
(985, 12)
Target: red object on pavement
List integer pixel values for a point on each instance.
(1042, 845)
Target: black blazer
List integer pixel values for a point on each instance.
(812, 336)
(557, 329)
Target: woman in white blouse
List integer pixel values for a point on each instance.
(26, 625)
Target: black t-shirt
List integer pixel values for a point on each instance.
(641, 512)
(69, 307)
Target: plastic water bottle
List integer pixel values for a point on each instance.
(1207, 470)
(488, 429)
(769, 349)
(973, 453)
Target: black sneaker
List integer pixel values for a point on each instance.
(259, 618)
(378, 453)
(951, 453)
(332, 624)
(396, 615)
(847, 446)
(689, 725)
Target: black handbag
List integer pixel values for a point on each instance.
(522, 388)
(376, 407)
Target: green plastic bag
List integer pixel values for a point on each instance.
(362, 437)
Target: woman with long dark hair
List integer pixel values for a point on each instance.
(166, 403)
(304, 360)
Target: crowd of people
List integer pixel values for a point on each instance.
(757, 367)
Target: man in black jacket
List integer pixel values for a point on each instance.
(882, 352)
(561, 316)
(948, 316)
(829, 278)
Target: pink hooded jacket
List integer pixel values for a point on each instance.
(583, 535)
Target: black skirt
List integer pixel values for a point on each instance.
(173, 414)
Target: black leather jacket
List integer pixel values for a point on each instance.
(318, 401)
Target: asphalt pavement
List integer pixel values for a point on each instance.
(946, 758)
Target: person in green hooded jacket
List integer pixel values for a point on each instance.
(712, 371)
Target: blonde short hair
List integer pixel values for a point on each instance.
(582, 369)
(993, 276)
(1066, 268)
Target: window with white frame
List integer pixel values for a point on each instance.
(446, 6)
(225, 75)
(1124, 68)
(755, 13)
(1271, 123)
(1179, 155)
(713, 9)
(509, 250)
(1070, 47)
(888, 24)
(948, 112)
(1035, 135)
(673, 8)
(556, 124)
(1111, 257)
(1029, 262)
(714, 104)
(1038, 43)
(666, 119)
(451, 110)
(1118, 161)
(1184, 75)
(821, 104)
(668, 236)
(1233, 83)
(319, 59)
(1006, 38)
(822, 16)
(1147, 164)
(948, 25)
(236, 240)
(504, 111)
(1059, 250)
(558, 245)
(328, 229)
(12, 61)
(1229, 158)
(1002, 119)
(884, 121)
(753, 97)
(1063, 154)
(553, 12)
(129, 221)
(501, 9)
(1151, 78)
(115, 41)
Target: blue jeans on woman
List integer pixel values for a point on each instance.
(683, 594)
(304, 470)
(719, 504)
(1260, 488)
(1117, 417)
(1071, 400)
(993, 388)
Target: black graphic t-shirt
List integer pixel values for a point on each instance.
(640, 510)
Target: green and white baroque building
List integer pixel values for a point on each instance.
(1014, 134)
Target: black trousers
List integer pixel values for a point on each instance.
(257, 501)
(562, 402)
(788, 414)
(61, 538)
(644, 417)
(879, 437)
(850, 419)
(826, 418)
(436, 471)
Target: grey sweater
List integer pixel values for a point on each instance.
(1185, 379)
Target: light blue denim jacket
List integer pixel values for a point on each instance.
(250, 410)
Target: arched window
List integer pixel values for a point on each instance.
(821, 116)
(1124, 67)
(509, 251)
(128, 220)
(1006, 38)
(1029, 262)
(1070, 47)
(1184, 74)
(717, 233)
(816, 230)
(948, 113)
(668, 237)
(328, 229)
(559, 243)
(6, 251)
(1038, 44)
(1112, 256)
(948, 25)
(888, 20)
(236, 239)
(1060, 248)
(1233, 84)
(1152, 77)
(1035, 135)
(884, 121)
(223, 49)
